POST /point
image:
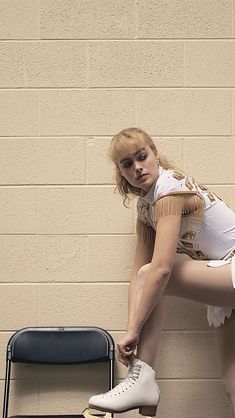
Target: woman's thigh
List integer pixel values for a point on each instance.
(195, 280)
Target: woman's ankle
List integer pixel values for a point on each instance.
(146, 359)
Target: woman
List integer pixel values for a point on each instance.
(175, 214)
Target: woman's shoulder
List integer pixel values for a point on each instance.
(172, 181)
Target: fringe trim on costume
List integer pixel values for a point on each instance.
(146, 232)
(190, 205)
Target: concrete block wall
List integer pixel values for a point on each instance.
(72, 74)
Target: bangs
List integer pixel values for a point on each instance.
(122, 142)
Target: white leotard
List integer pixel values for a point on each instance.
(211, 239)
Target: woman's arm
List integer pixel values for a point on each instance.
(168, 228)
(143, 255)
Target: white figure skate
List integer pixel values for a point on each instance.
(138, 391)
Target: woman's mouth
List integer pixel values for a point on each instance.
(142, 177)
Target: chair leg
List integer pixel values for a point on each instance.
(6, 389)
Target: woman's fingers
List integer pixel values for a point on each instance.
(122, 360)
(124, 354)
(125, 351)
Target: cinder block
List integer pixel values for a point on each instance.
(233, 198)
(210, 160)
(92, 112)
(87, 19)
(183, 19)
(18, 210)
(23, 397)
(56, 258)
(188, 355)
(172, 149)
(19, 113)
(19, 306)
(201, 359)
(136, 63)
(184, 112)
(183, 314)
(197, 398)
(83, 210)
(42, 161)
(69, 397)
(4, 336)
(103, 305)
(210, 63)
(43, 64)
(19, 19)
(233, 114)
(99, 170)
(110, 258)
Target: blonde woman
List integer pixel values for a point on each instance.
(175, 214)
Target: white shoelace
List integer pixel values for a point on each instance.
(132, 376)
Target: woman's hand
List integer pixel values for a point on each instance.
(126, 346)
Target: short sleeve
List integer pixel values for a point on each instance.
(179, 204)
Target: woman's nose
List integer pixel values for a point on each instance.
(138, 166)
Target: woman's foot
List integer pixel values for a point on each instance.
(138, 390)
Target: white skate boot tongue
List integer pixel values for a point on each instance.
(136, 362)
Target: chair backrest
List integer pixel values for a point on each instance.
(60, 345)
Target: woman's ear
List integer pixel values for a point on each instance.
(157, 158)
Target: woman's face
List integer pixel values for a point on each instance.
(137, 163)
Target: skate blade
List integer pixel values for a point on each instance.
(87, 414)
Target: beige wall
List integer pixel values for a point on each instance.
(72, 74)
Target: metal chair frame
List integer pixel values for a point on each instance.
(74, 345)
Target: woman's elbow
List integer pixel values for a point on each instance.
(162, 274)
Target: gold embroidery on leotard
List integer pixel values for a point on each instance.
(202, 187)
(200, 254)
(177, 175)
(189, 185)
(211, 196)
(189, 235)
(186, 244)
(196, 255)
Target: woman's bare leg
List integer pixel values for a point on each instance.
(196, 281)
(191, 280)
(226, 343)
(150, 334)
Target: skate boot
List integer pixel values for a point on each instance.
(138, 391)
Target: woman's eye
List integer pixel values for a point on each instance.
(143, 157)
(127, 164)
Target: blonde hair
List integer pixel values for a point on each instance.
(131, 136)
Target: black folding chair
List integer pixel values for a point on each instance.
(59, 345)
